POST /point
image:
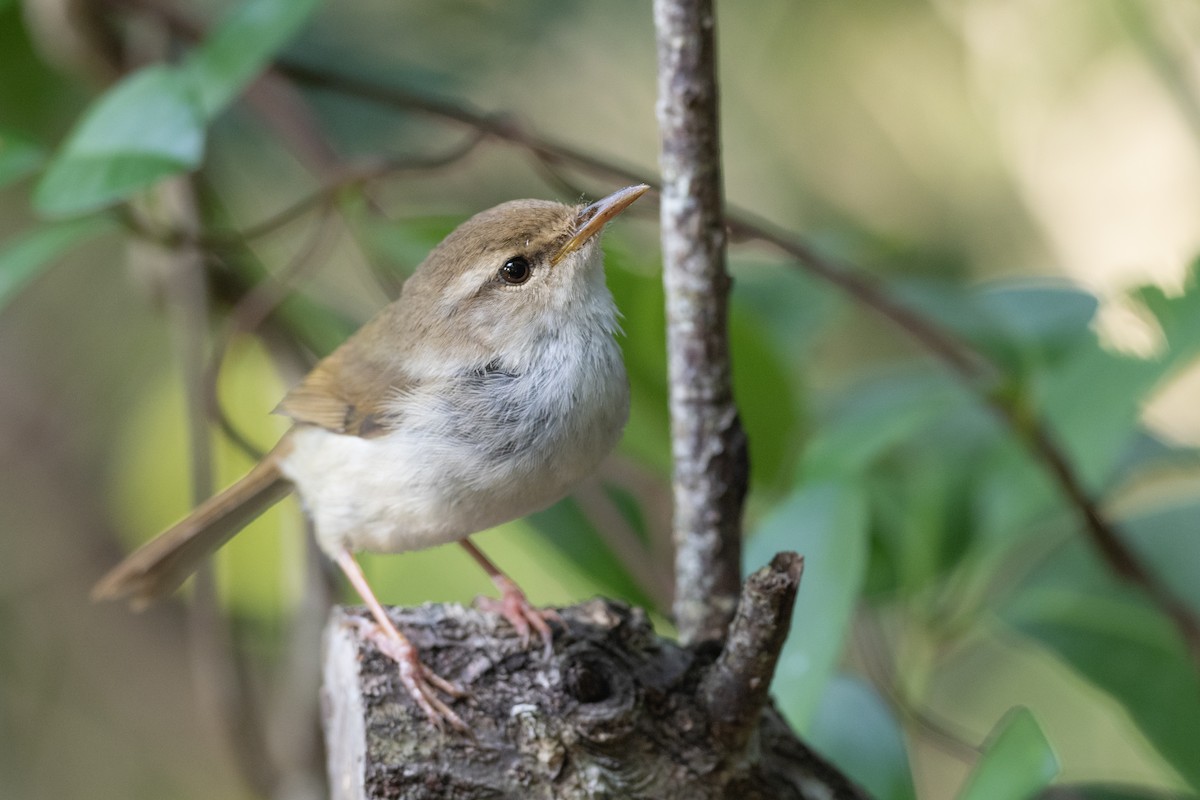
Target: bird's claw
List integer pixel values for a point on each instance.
(515, 607)
(418, 680)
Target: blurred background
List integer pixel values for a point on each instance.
(1027, 174)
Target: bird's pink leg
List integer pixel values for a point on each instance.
(513, 605)
(418, 679)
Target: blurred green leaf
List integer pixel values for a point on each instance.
(402, 245)
(241, 46)
(145, 128)
(920, 502)
(1045, 315)
(1147, 453)
(567, 529)
(790, 307)
(768, 406)
(22, 258)
(854, 729)
(630, 510)
(1012, 494)
(639, 296)
(1020, 325)
(1032, 326)
(19, 157)
(826, 523)
(1090, 399)
(1112, 637)
(152, 124)
(1103, 791)
(875, 417)
(1167, 539)
(1017, 764)
(1093, 401)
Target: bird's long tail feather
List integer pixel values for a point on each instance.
(158, 567)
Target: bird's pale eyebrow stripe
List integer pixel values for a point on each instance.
(464, 286)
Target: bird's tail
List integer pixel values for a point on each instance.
(159, 566)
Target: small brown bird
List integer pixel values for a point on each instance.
(485, 392)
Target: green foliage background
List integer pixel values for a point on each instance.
(1025, 174)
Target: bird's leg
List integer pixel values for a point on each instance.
(513, 604)
(418, 679)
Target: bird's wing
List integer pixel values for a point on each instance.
(347, 393)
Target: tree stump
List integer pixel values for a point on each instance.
(614, 711)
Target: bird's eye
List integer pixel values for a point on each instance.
(516, 270)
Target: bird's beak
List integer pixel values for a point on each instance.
(592, 219)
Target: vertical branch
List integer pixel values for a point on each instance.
(708, 444)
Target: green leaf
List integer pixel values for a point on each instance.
(1017, 764)
(19, 157)
(827, 524)
(1032, 326)
(22, 258)
(874, 418)
(1020, 325)
(240, 47)
(1093, 402)
(921, 509)
(401, 245)
(1109, 634)
(1090, 400)
(152, 124)
(145, 128)
(766, 400)
(790, 307)
(1042, 314)
(1166, 538)
(1148, 455)
(639, 296)
(630, 510)
(855, 730)
(1101, 791)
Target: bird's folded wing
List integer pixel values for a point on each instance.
(345, 399)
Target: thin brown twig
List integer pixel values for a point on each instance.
(322, 197)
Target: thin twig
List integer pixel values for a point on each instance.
(349, 178)
(322, 197)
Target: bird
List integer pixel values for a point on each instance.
(486, 391)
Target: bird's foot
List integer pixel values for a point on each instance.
(515, 607)
(421, 683)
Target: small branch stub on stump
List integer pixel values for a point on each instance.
(614, 711)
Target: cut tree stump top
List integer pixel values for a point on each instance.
(614, 712)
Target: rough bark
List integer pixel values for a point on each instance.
(615, 711)
(708, 443)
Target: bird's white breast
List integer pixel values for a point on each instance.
(469, 453)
